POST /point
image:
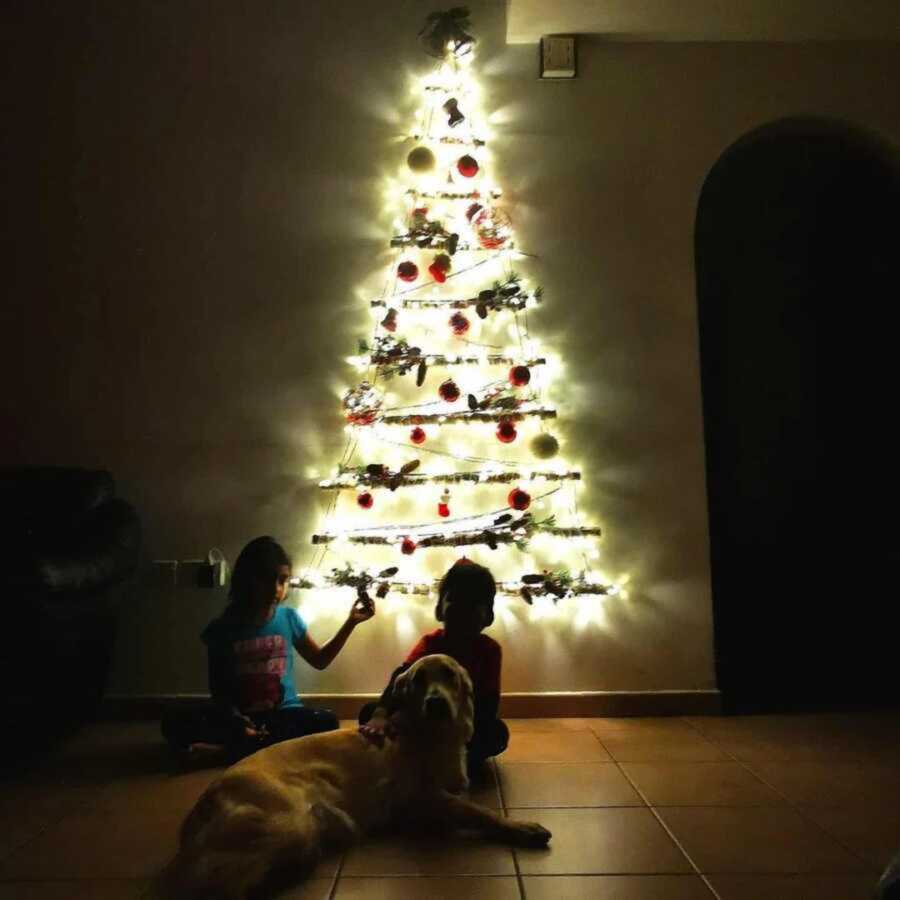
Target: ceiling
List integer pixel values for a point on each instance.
(705, 20)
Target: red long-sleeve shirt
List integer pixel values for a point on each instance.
(482, 662)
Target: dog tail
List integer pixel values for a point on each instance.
(224, 860)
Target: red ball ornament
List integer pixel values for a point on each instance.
(449, 391)
(519, 499)
(492, 228)
(506, 432)
(408, 547)
(467, 166)
(440, 267)
(407, 271)
(519, 376)
(459, 323)
(417, 435)
(365, 500)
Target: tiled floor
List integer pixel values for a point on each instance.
(752, 808)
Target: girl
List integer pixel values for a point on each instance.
(251, 665)
(465, 607)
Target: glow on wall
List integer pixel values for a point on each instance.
(453, 439)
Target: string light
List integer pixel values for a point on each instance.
(452, 207)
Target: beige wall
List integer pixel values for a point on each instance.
(195, 193)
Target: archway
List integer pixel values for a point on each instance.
(796, 240)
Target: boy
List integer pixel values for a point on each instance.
(465, 607)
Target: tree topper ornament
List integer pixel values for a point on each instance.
(446, 32)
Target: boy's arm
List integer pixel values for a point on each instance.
(487, 699)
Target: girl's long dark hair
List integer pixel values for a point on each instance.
(259, 561)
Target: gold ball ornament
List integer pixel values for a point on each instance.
(544, 446)
(421, 160)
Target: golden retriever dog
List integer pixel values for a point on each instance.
(277, 809)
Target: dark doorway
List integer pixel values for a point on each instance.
(796, 253)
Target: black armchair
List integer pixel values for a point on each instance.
(69, 545)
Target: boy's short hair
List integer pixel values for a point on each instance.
(470, 581)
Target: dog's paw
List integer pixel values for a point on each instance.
(530, 834)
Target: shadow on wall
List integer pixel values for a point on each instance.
(796, 246)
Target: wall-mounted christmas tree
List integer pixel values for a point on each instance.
(451, 443)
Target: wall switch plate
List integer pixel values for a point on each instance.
(558, 56)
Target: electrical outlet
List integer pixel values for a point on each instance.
(558, 56)
(211, 572)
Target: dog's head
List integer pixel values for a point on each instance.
(437, 690)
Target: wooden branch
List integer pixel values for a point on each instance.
(466, 416)
(348, 481)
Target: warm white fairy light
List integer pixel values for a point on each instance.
(470, 462)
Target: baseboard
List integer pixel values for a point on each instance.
(578, 704)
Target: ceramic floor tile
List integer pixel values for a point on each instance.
(859, 737)
(603, 841)
(310, 889)
(615, 887)
(104, 751)
(435, 888)
(780, 749)
(812, 748)
(27, 809)
(483, 788)
(74, 890)
(871, 830)
(97, 845)
(793, 887)
(565, 784)
(399, 855)
(642, 729)
(668, 749)
(757, 840)
(105, 809)
(521, 726)
(833, 783)
(700, 784)
(568, 746)
(163, 793)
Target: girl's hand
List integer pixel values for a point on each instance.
(251, 729)
(260, 733)
(362, 610)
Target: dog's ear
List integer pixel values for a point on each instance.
(400, 689)
(466, 715)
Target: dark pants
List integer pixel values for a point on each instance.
(207, 723)
(491, 737)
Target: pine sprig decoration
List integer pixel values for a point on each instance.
(447, 27)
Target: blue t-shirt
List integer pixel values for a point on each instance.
(253, 665)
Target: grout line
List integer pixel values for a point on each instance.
(505, 810)
(671, 834)
(332, 891)
(795, 805)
